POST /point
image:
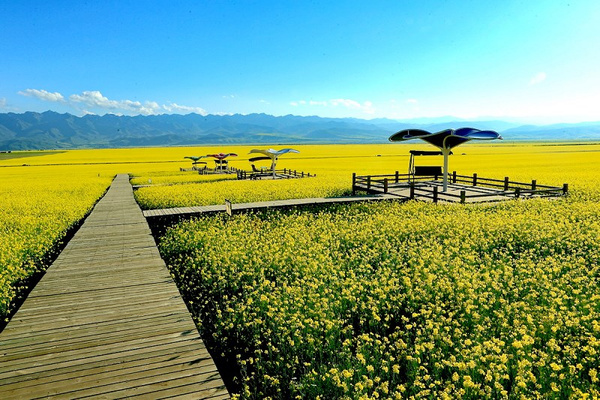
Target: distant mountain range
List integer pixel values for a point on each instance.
(51, 130)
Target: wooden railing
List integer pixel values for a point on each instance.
(283, 173)
(504, 187)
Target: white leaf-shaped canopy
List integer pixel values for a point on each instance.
(273, 154)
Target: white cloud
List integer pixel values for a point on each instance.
(345, 102)
(43, 95)
(174, 107)
(366, 107)
(538, 78)
(412, 101)
(95, 99)
(2, 102)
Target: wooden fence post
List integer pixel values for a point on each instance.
(397, 177)
(506, 183)
(453, 176)
(435, 194)
(354, 184)
(533, 184)
(385, 185)
(565, 188)
(474, 179)
(369, 182)
(412, 190)
(517, 192)
(228, 208)
(463, 197)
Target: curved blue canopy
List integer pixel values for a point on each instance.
(446, 139)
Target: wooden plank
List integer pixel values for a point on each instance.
(107, 320)
(66, 383)
(106, 363)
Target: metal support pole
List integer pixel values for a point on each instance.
(446, 153)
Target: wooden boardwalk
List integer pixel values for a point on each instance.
(241, 207)
(106, 320)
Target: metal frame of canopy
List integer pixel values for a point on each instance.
(445, 140)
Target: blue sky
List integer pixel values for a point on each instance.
(534, 61)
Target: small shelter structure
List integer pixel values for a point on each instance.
(445, 140)
(220, 160)
(270, 154)
(196, 160)
(423, 170)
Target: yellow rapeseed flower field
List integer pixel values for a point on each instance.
(403, 300)
(365, 301)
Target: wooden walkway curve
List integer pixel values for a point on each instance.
(262, 205)
(106, 320)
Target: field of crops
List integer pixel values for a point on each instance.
(334, 165)
(379, 301)
(406, 300)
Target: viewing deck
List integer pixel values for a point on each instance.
(461, 188)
